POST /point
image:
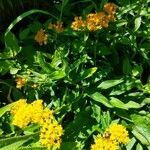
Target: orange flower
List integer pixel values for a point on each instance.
(41, 37)
(78, 24)
(20, 82)
(58, 26)
(110, 8)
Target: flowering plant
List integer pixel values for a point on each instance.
(77, 77)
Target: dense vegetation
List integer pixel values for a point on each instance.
(76, 75)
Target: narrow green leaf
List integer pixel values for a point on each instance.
(87, 73)
(109, 83)
(126, 66)
(101, 99)
(139, 147)
(22, 16)
(6, 108)
(137, 23)
(131, 144)
(117, 103)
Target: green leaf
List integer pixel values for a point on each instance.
(109, 83)
(132, 104)
(6, 108)
(11, 44)
(126, 66)
(137, 23)
(15, 142)
(131, 144)
(5, 65)
(87, 73)
(69, 146)
(24, 34)
(32, 148)
(139, 147)
(117, 103)
(14, 146)
(22, 16)
(96, 112)
(101, 99)
(141, 129)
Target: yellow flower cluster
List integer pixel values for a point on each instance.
(58, 26)
(24, 114)
(20, 82)
(95, 21)
(116, 134)
(104, 144)
(41, 37)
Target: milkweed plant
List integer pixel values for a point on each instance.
(77, 77)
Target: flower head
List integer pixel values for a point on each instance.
(58, 26)
(110, 8)
(37, 111)
(20, 103)
(50, 134)
(78, 24)
(23, 116)
(41, 37)
(20, 82)
(118, 133)
(104, 144)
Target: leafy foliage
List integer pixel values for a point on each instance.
(90, 79)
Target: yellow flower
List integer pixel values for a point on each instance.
(104, 144)
(110, 8)
(78, 24)
(50, 134)
(23, 116)
(47, 116)
(118, 133)
(37, 111)
(20, 82)
(20, 103)
(41, 37)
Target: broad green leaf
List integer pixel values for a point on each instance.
(137, 23)
(132, 104)
(101, 99)
(117, 103)
(109, 83)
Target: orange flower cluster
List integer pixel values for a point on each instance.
(41, 37)
(95, 21)
(20, 82)
(58, 27)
